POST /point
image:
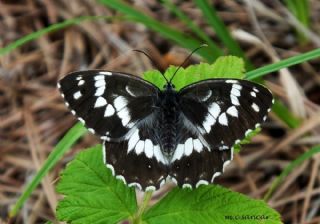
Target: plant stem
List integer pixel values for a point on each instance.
(145, 202)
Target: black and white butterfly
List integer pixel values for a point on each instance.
(152, 135)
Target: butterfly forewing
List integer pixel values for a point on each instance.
(224, 111)
(108, 103)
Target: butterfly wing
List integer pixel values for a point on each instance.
(216, 114)
(108, 103)
(224, 111)
(138, 160)
(120, 108)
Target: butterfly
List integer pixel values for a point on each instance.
(152, 135)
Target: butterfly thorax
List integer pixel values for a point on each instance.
(168, 120)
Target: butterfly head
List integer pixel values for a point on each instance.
(169, 86)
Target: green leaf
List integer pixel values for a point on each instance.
(223, 67)
(61, 148)
(92, 194)
(209, 204)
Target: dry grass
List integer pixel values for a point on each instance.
(33, 117)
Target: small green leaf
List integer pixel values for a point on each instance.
(92, 194)
(223, 67)
(209, 204)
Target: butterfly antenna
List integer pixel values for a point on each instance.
(187, 59)
(153, 62)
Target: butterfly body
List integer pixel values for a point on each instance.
(168, 119)
(152, 135)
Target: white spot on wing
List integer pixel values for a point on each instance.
(111, 169)
(208, 122)
(248, 132)
(134, 138)
(120, 102)
(234, 100)
(231, 81)
(135, 184)
(77, 95)
(139, 147)
(158, 155)
(235, 91)
(223, 119)
(148, 148)
(100, 102)
(237, 86)
(105, 73)
(253, 94)
(131, 93)
(232, 111)
(150, 188)
(119, 177)
(215, 175)
(81, 120)
(91, 130)
(100, 91)
(162, 182)
(81, 82)
(124, 116)
(255, 89)
(197, 145)
(99, 83)
(223, 147)
(109, 111)
(214, 110)
(178, 152)
(174, 180)
(225, 164)
(99, 77)
(79, 78)
(187, 186)
(255, 107)
(188, 147)
(202, 182)
(205, 98)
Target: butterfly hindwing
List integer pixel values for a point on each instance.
(137, 160)
(108, 103)
(224, 111)
(193, 162)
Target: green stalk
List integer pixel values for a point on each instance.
(285, 63)
(221, 30)
(137, 219)
(210, 53)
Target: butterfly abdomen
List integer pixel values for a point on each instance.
(168, 120)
